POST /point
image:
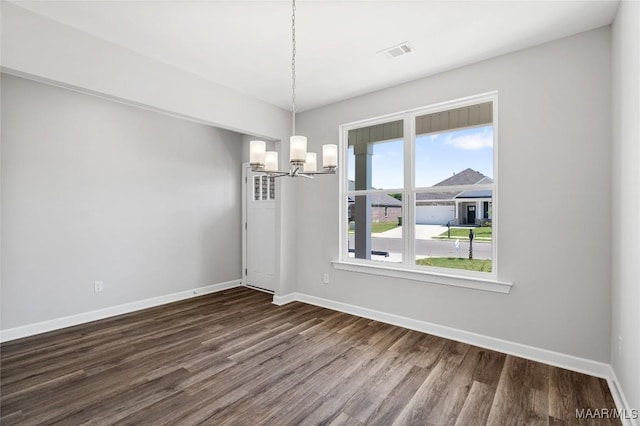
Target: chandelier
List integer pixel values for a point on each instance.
(302, 163)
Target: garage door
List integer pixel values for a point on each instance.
(434, 215)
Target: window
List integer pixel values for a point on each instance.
(419, 190)
(264, 188)
(375, 178)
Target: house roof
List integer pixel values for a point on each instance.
(377, 200)
(466, 177)
(435, 196)
(381, 200)
(479, 193)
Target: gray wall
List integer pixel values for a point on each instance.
(46, 50)
(625, 354)
(555, 214)
(97, 190)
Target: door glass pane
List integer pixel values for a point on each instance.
(272, 188)
(257, 182)
(375, 227)
(265, 187)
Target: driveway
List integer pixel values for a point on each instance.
(423, 232)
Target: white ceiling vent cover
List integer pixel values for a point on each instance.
(399, 50)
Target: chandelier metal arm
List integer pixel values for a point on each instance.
(294, 172)
(325, 172)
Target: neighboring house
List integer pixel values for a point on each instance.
(384, 208)
(469, 207)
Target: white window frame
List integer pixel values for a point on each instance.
(407, 269)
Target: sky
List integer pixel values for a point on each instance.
(438, 156)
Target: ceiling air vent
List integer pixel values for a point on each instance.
(399, 50)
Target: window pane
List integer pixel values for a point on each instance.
(375, 230)
(375, 157)
(443, 226)
(457, 157)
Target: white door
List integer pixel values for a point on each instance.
(260, 231)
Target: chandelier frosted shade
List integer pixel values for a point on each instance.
(257, 151)
(310, 163)
(297, 149)
(271, 161)
(330, 156)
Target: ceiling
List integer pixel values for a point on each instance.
(246, 45)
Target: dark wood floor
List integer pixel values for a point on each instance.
(235, 358)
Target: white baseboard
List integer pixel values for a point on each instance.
(287, 298)
(58, 323)
(620, 399)
(569, 362)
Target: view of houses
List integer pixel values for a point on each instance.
(443, 221)
(469, 207)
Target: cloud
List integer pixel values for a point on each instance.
(471, 142)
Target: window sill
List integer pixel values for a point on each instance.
(477, 283)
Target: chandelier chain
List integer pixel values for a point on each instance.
(293, 68)
(301, 163)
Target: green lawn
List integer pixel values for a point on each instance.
(482, 265)
(383, 226)
(483, 233)
(378, 227)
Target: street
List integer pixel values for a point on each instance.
(431, 248)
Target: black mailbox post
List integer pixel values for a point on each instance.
(471, 235)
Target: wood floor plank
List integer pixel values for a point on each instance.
(475, 410)
(489, 367)
(234, 358)
(345, 420)
(394, 403)
(561, 395)
(374, 391)
(426, 351)
(356, 372)
(516, 401)
(440, 398)
(270, 393)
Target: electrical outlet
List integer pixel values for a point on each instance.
(98, 286)
(619, 345)
(325, 279)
